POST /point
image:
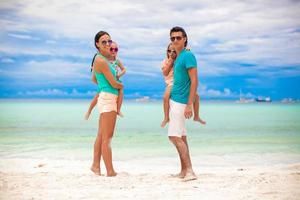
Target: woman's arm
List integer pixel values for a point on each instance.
(123, 70)
(102, 67)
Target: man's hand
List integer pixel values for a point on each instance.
(188, 111)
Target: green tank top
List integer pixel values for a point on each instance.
(103, 84)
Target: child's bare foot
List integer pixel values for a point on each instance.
(198, 119)
(96, 170)
(120, 114)
(164, 122)
(87, 115)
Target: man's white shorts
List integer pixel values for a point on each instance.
(177, 119)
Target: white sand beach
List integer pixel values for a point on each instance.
(145, 179)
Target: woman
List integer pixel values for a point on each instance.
(105, 75)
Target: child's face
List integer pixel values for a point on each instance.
(171, 52)
(114, 49)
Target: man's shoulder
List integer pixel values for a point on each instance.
(188, 53)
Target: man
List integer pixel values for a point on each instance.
(181, 100)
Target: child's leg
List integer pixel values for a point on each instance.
(166, 106)
(119, 102)
(196, 110)
(92, 105)
(196, 107)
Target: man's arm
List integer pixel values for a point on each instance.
(193, 89)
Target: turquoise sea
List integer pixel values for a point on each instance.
(55, 129)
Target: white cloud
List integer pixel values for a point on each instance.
(7, 60)
(226, 93)
(23, 37)
(265, 33)
(56, 93)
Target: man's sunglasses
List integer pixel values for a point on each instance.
(114, 49)
(105, 42)
(178, 38)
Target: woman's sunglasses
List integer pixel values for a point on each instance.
(114, 49)
(106, 42)
(178, 38)
(171, 51)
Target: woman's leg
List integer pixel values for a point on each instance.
(166, 106)
(107, 124)
(97, 152)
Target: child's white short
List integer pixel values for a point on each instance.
(107, 102)
(177, 119)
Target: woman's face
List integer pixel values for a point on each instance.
(104, 43)
(114, 50)
(171, 53)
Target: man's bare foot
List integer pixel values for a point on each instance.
(111, 174)
(179, 175)
(96, 170)
(164, 122)
(120, 114)
(87, 115)
(189, 177)
(198, 119)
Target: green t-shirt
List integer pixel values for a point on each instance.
(181, 88)
(103, 84)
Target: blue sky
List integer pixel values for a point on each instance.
(248, 46)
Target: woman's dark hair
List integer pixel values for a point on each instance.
(179, 29)
(93, 62)
(99, 35)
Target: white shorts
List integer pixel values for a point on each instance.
(107, 102)
(177, 119)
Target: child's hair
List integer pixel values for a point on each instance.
(168, 49)
(93, 62)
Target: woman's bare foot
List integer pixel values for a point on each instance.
(164, 122)
(189, 177)
(198, 119)
(110, 174)
(87, 115)
(179, 175)
(96, 170)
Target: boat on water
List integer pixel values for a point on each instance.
(261, 99)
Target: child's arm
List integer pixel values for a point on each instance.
(167, 66)
(123, 70)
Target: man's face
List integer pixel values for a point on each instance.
(177, 40)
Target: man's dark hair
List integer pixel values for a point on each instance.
(99, 35)
(179, 29)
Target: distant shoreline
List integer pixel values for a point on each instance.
(205, 101)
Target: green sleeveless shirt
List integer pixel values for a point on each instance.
(103, 83)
